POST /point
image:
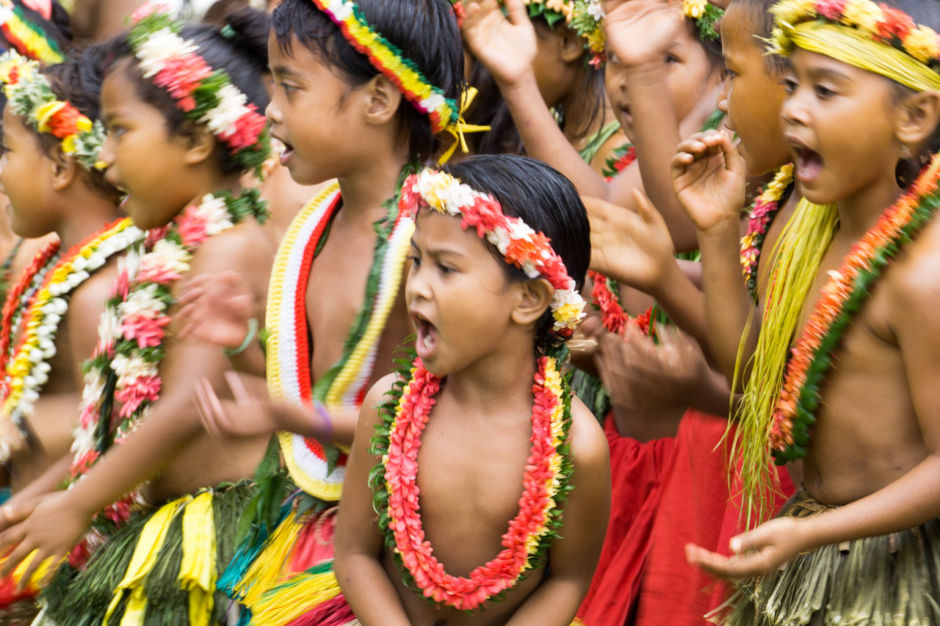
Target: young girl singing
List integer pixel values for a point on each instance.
(482, 409)
(844, 372)
(181, 106)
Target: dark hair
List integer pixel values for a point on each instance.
(57, 29)
(545, 200)
(78, 81)
(424, 30)
(242, 52)
(758, 12)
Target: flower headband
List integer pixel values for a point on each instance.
(705, 16)
(204, 94)
(388, 59)
(30, 96)
(27, 37)
(873, 37)
(585, 17)
(519, 244)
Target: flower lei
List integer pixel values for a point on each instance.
(519, 244)
(842, 297)
(390, 61)
(705, 16)
(122, 379)
(27, 369)
(27, 37)
(204, 94)
(765, 208)
(585, 17)
(530, 533)
(623, 157)
(30, 96)
(877, 22)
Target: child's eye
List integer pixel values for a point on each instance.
(789, 84)
(287, 88)
(444, 269)
(730, 73)
(671, 58)
(823, 92)
(413, 259)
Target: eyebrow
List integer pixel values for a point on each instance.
(281, 70)
(438, 252)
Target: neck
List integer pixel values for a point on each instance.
(92, 214)
(860, 211)
(496, 380)
(372, 183)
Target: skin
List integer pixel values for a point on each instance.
(169, 440)
(46, 188)
(883, 471)
(308, 100)
(507, 46)
(477, 436)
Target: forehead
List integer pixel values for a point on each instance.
(117, 88)
(739, 28)
(436, 231)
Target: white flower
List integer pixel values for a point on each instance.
(142, 301)
(108, 326)
(83, 440)
(166, 254)
(94, 387)
(595, 10)
(215, 212)
(160, 47)
(129, 368)
(231, 106)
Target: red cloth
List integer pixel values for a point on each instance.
(643, 577)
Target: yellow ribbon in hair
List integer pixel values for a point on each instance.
(459, 127)
(859, 49)
(148, 546)
(197, 568)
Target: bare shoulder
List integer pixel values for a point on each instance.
(241, 247)
(588, 442)
(94, 293)
(377, 396)
(915, 279)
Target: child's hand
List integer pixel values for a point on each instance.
(633, 248)
(758, 552)
(708, 176)
(505, 46)
(51, 529)
(641, 31)
(216, 308)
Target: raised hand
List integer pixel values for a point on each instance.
(640, 31)
(633, 248)
(758, 552)
(708, 177)
(216, 308)
(504, 44)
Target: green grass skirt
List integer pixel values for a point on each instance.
(128, 574)
(889, 580)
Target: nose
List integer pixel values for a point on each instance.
(794, 111)
(106, 153)
(723, 97)
(416, 284)
(273, 111)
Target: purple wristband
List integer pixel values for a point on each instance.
(325, 416)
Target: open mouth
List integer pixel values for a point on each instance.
(285, 150)
(426, 335)
(808, 163)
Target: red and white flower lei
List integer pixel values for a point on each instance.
(122, 377)
(519, 244)
(27, 369)
(548, 469)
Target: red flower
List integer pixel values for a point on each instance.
(64, 122)
(830, 9)
(896, 25)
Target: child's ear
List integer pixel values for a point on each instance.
(64, 169)
(572, 46)
(200, 144)
(919, 117)
(535, 296)
(382, 99)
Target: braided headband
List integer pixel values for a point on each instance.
(30, 96)
(204, 94)
(27, 37)
(872, 37)
(519, 244)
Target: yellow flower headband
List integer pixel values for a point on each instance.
(872, 37)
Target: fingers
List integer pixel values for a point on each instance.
(518, 14)
(17, 554)
(239, 391)
(207, 405)
(647, 211)
(733, 159)
(34, 559)
(739, 566)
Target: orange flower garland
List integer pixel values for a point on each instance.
(397, 497)
(843, 296)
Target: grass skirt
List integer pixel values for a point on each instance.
(889, 580)
(159, 569)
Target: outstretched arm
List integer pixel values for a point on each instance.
(573, 555)
(358, 543)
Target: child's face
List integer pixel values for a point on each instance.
(753, 94)
(459, 298)
(143, 158)
(26, 177)
(838, 122)
(309, 113)
(689, 76)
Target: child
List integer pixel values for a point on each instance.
(863, 525)
(48, 323)
(180, 105)
(488, 317)
(337, 273)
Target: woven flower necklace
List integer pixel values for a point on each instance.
(765, 209)
(397, 496)
(27, 369)
(841, 298)
(122, 379)
(19, 298)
